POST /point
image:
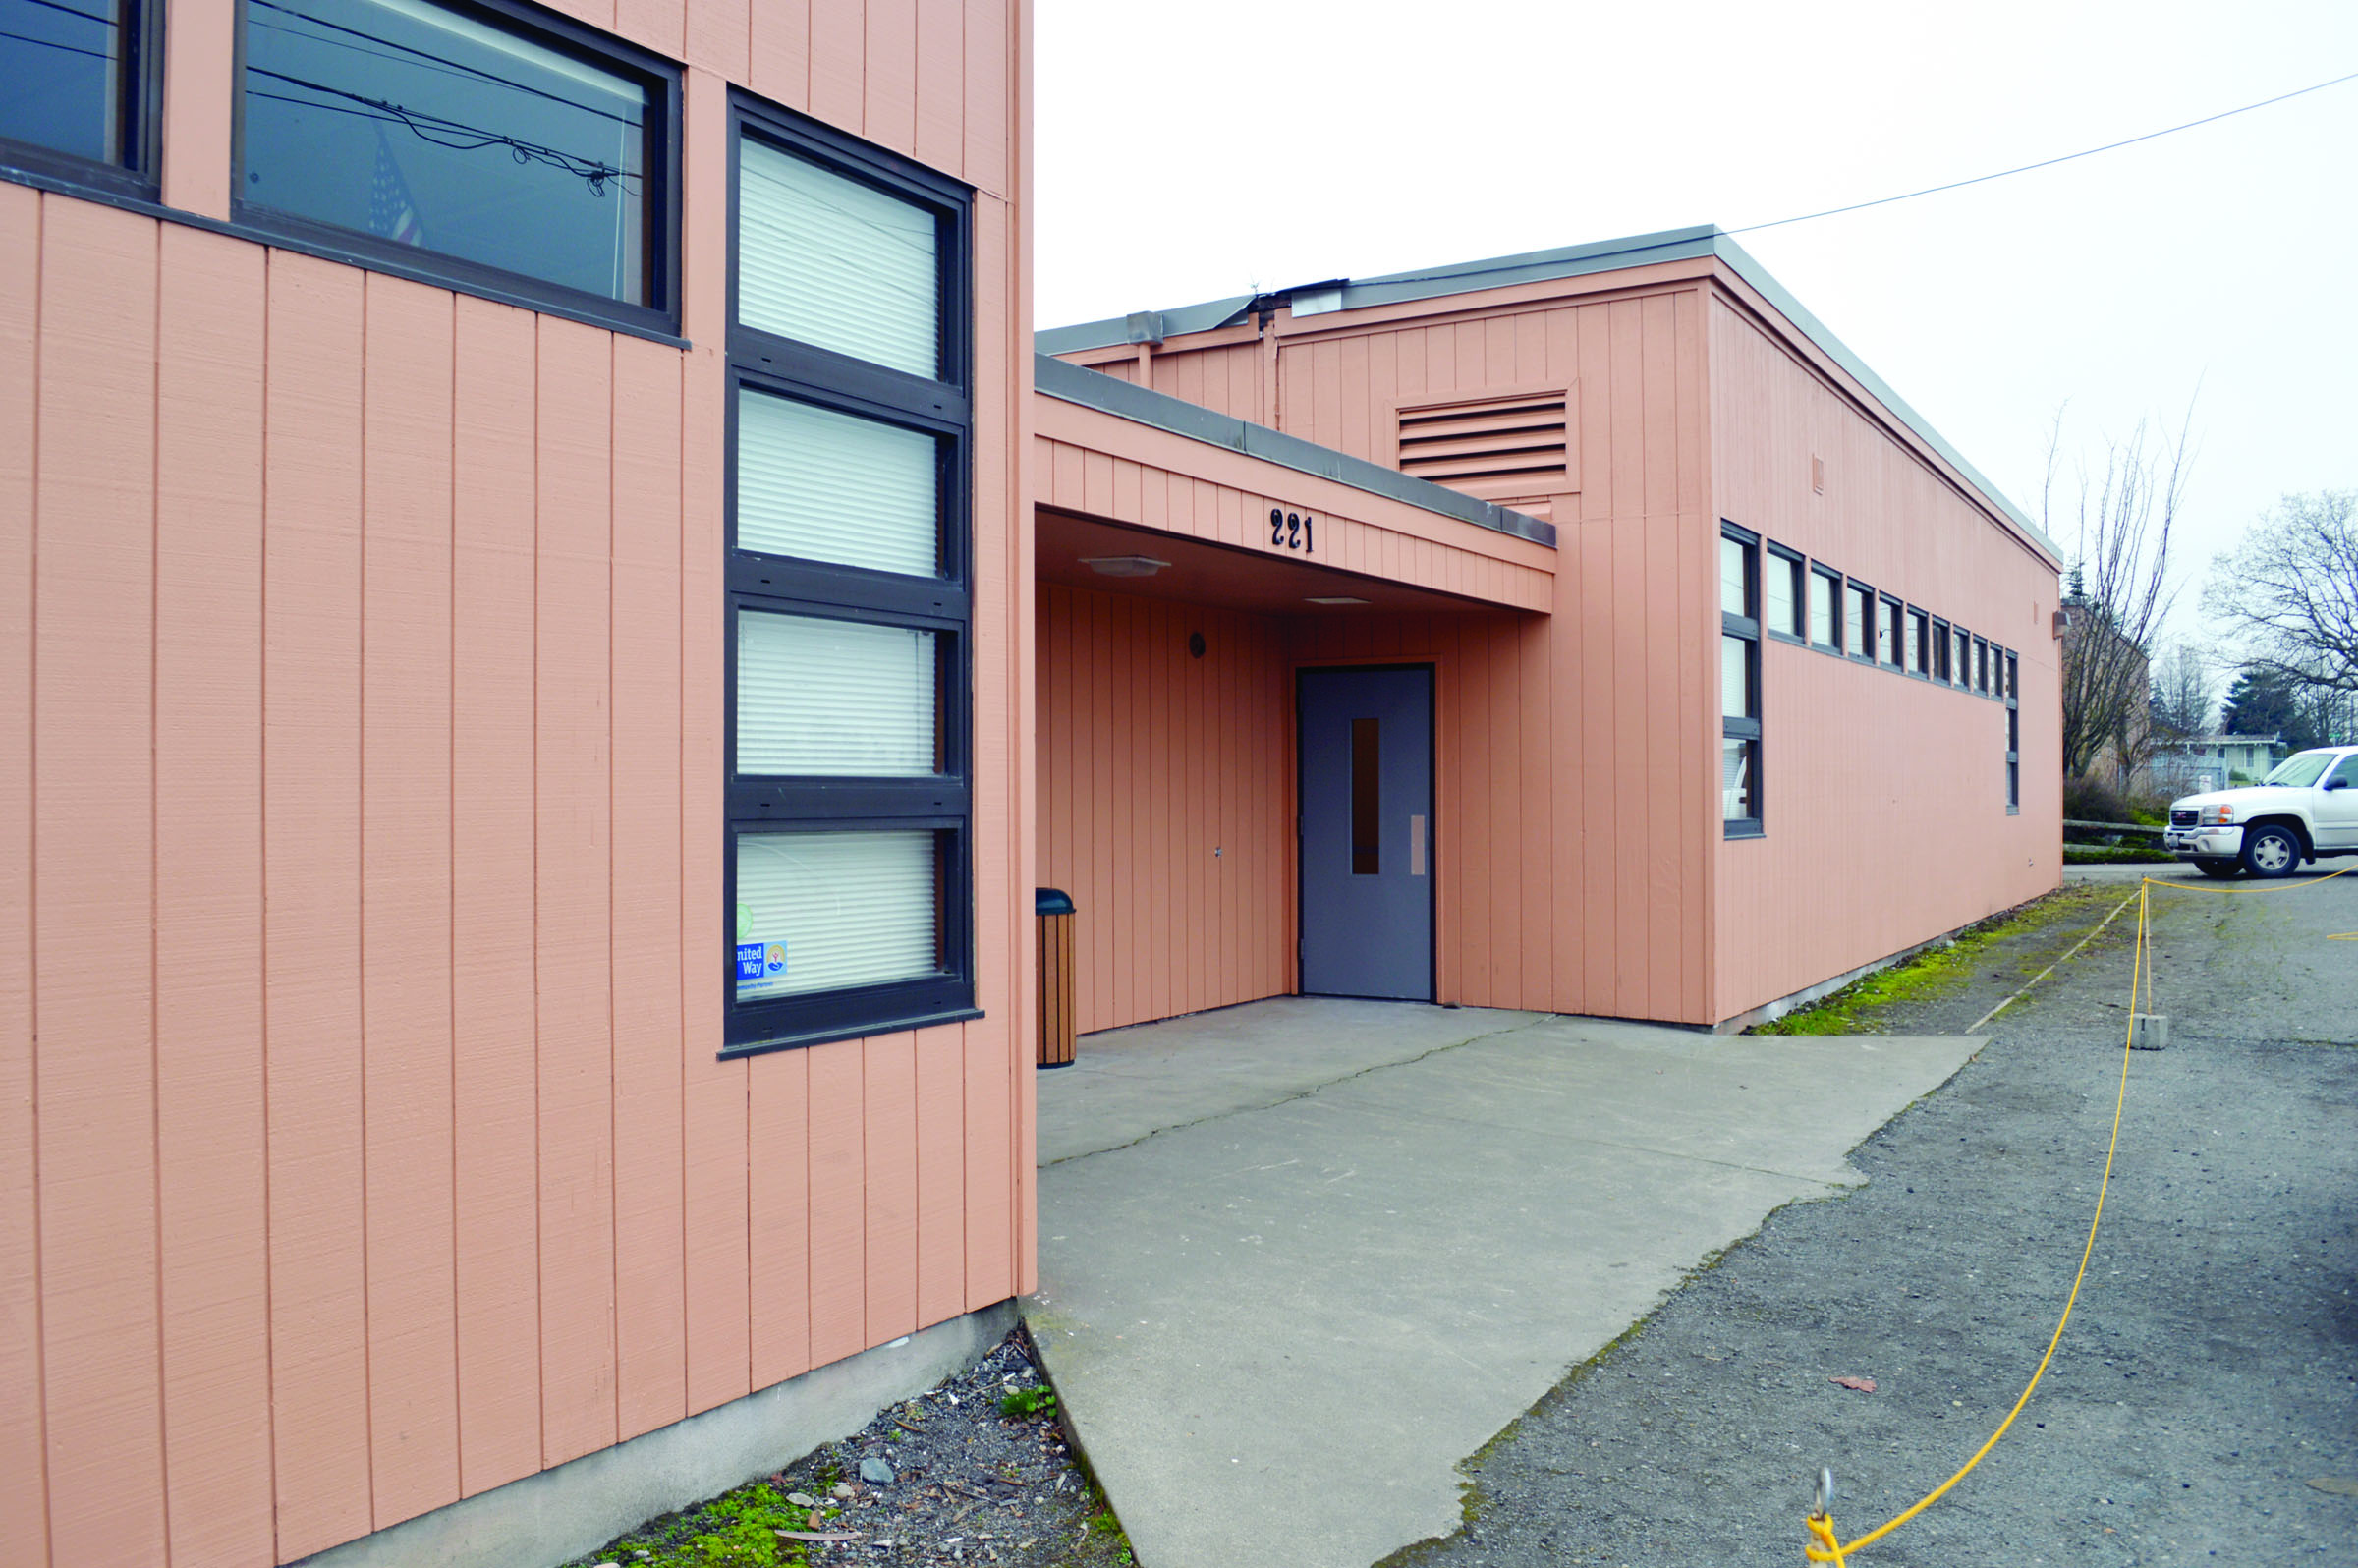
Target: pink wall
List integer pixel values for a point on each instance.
(1597, 893)
(1885, 797)
(360, 663)
(1150, 757)
(1148, 760)
(1686, 400)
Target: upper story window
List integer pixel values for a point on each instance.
(1825, 607)
(1740, 680)
(1917, 622)
(1887, 632)
(75, 78)
(850, 793)
(495, 147)
(1857, 629)
(1787, 592)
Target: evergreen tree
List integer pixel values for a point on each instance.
(2265, 701)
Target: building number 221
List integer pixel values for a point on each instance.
(1292, 531)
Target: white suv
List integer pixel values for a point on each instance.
(2306, 807)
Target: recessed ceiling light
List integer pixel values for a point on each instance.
(1338, 599)
(1123, 565)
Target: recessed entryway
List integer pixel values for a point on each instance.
(1367, 832)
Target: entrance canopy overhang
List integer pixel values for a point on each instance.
(1253, 518)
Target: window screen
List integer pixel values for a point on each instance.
(431, 128)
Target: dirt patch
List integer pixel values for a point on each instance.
(975, 1470)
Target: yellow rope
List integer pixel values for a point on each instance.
(1827, 1548)
(1832, 1551)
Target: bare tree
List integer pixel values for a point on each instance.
(2184, 692)
(2121, 523)
(2290, 590)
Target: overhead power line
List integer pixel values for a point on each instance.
(2047, 163)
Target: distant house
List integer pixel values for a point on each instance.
(2214, 762)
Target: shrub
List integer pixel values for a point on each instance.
(2088, 800)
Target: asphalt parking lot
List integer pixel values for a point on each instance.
(2202, 1407)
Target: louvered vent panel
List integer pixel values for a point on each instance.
(1500, 449)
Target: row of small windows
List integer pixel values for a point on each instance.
(492, 146)
(1769, 589)
(502, 150)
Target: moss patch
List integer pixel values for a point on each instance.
(1937, 970)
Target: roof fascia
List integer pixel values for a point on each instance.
(1077, 384)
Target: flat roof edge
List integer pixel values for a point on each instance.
(1742, 263)
(1092, 389)
(1573, 262)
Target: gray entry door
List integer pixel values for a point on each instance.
(1367, 833)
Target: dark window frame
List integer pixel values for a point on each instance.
(1853, 590)
(1938, 670)
(658, 317)
(2010, 674)
(757, 582)
(1747, 629)
(1829, 580)
(1981, 666)
(139, 115)
(1790, 560)
(1890, 611)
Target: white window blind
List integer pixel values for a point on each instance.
(1735, 677)
(829, 486)
(819, 912)
(1734, 599)
(835, 697)
(835, 264)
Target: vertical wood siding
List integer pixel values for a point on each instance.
(1590, 825)
(361, 652)
(1885, 797)
(1148, 760)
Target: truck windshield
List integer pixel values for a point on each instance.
(2301, 769)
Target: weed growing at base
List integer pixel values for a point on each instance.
(1931, 972)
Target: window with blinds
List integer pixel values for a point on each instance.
(830, 262)
(1500, 449)
(850, 722)
(831, 487)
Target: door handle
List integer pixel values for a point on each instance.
(1415, 845)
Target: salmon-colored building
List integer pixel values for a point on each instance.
(551, 622)
(1745, 680)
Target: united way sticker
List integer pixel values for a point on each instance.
(761, 960)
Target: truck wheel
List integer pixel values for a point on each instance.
(2213, 866)
(2271, 851)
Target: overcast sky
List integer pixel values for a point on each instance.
(1191, 151)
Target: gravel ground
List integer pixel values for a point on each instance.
(963, 1481)
(2202, 1407)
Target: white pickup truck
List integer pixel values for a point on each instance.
(2306, 807)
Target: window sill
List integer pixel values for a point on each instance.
(1746, 827)
(1775, 636)
(862, 1031)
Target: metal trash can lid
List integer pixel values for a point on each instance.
(1049, 901)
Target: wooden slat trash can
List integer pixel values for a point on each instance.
(1055, 914)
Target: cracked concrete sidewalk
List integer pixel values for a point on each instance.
(1299, 1259)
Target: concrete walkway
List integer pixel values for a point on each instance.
(1298, 1258)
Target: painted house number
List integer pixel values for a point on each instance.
(1292, 531)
